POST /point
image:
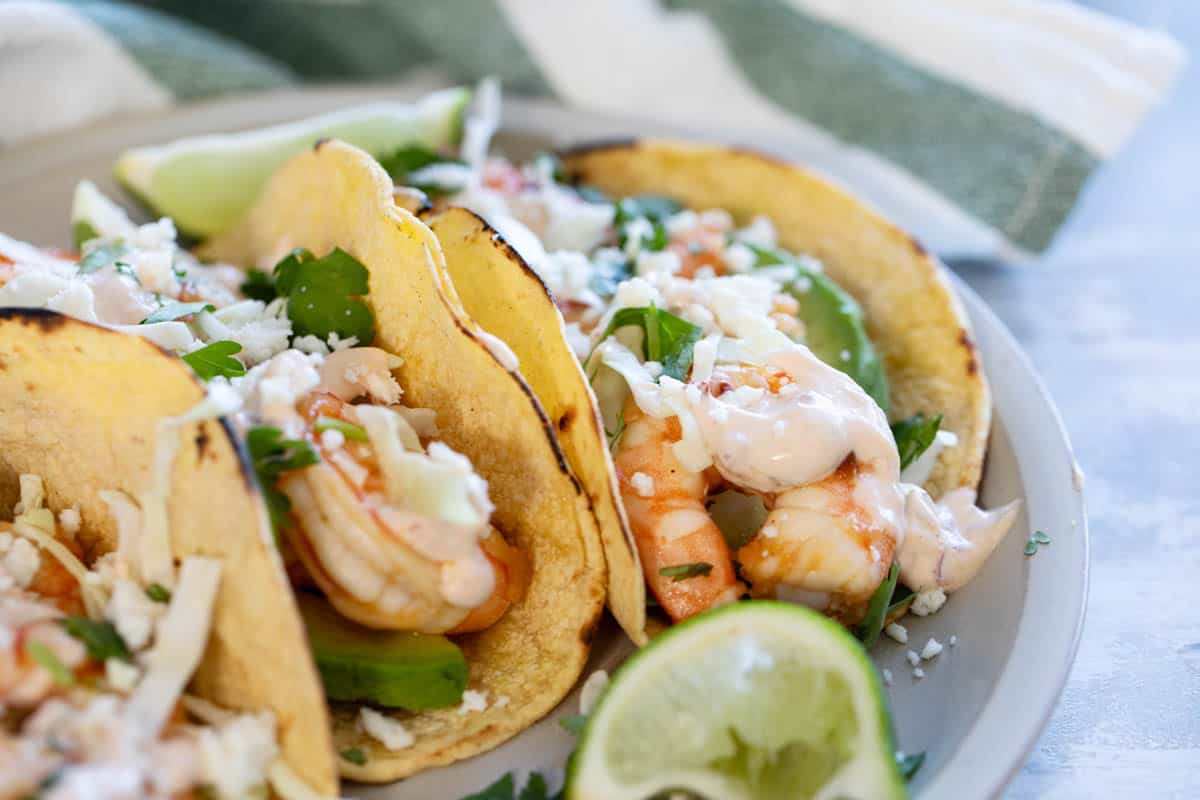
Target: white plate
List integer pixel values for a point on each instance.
(982, 703)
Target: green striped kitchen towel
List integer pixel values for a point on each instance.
(974, 123)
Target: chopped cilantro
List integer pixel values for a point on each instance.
(174, 310)
(100, 638)
(1038, 538)
(272, 456)
(45, 657)
(877, 609)
(101, 257)
(347, 429)
(656, 241)
(668, 339)
(259, 285)
(505, 789)
(324, 295)
(655, 208)
(216, 359)
(354, 755)
(909, 764)
(158, 593)
(411, 158)
(573, 723)
(681, 572)
(914, 436)
(83, 231)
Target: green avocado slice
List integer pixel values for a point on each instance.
(833, 322)
(393, 669)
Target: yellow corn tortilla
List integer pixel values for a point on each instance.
(507, 298)
(335, 195)
(79, 406)
(912, 315)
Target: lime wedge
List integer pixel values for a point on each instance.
(206, 183)
(753, 701)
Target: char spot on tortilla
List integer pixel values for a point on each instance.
(202, 440)
(319, 142)
(566, 419)
(965, 340)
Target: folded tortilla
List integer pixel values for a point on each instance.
(335, 195)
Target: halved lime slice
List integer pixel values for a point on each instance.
(754, 701)
(206, 183)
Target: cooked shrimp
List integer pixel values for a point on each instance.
(820, 548)
(382, 566)
(665, 504)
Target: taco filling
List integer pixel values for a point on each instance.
(93, 665)
(389, 524)
(745, 404)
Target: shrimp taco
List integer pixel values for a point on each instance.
(787, 382)
(136, 554)
(444, 557)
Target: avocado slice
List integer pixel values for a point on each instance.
(833, 323)
(393, 669)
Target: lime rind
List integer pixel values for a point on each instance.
(667, 722)
(206, 183)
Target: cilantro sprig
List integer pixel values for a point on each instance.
(354, 755)
(914, 436)
(259, 285)
(324, 295)
(216, 359)
(668, 339)
(1039, 538)
(100, 638)
(272, 456)
(348, 429)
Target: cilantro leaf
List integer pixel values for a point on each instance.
(681, 572)
(411, 158)
(914, 436)
(323, 295)
(1039, 538)
(272, 456)
(101, 257)
(668, 339)
(909, 764)
(573, 723)
(158, 593)
(877, 609)
(83, 231)
(354, 755)
(174, 310)
(505, 789)
(259, 285)
(45, 658)
(100, 638)
(347, 429)
(216, 359)
(653, 207)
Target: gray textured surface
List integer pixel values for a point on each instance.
(1112, 321)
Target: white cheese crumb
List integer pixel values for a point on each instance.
(769, 532)
(913, 657)
(898, 632)
(502, 701)
(22, 562)
(133, 613)
(643, 484)
(70, 520)
(844, 355)
(389, 732)
(473, 701)
(121, 675)
(332, 439)
(918, 673)
(888, 679)
(928, 602)
(932, 649)
(953, 640)
(591, 690)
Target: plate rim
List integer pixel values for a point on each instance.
(536, 116)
